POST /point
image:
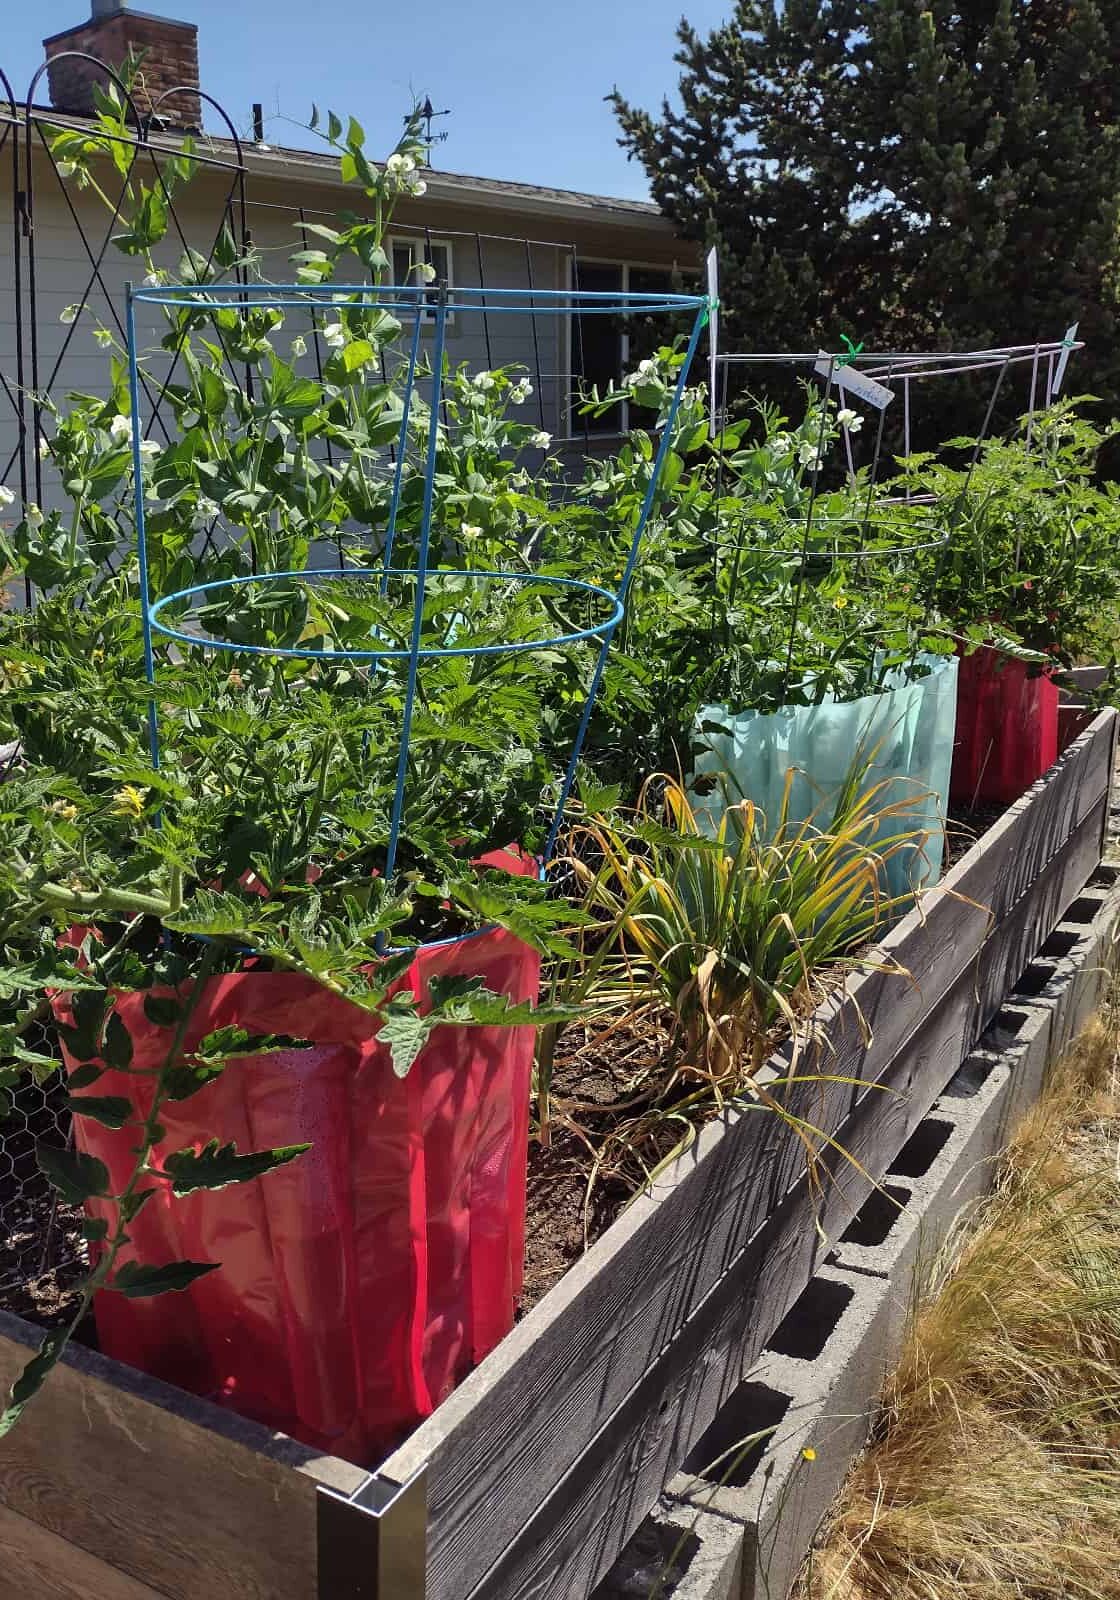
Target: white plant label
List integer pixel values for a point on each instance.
(854, 382)
(712, 265)
(1063, 360)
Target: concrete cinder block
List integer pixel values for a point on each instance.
(942, 1171)
(815, 1388)
(740, 1528)
(681, 1553)
(1071, 971)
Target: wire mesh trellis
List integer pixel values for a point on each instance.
(177, 616)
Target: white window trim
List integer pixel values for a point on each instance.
(417, 244)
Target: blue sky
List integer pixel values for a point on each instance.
(524, 81)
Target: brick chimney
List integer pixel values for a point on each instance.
(170, 58)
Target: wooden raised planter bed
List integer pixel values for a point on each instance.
(530, 1478)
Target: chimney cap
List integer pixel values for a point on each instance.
(107, 8)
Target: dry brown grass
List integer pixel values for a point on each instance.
(995, 1472)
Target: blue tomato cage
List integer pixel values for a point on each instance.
(175, 616)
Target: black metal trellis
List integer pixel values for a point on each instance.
(29, 128)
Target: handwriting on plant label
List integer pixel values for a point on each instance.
(854, 382)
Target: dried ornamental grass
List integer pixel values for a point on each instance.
(996, 1470)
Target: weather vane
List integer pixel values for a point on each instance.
(427, 115)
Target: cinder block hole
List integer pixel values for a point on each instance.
(877, 1216)
(1060, 943)
(654, 1562)
(1010, 1020)
(1084, 909)
(922, 1149)
(1035, 978)
(723, 1455)
(1105, 876)
(807, 1328)
(970, 1077)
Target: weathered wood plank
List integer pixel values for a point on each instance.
(178, 1494)
(41, 1566)
(592, 1512)
(579, 1355)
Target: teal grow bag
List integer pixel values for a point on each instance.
(907, 730)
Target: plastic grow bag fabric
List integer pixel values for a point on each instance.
(907, 730)
(1007, 729)
(362, 1281)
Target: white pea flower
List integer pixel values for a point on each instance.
(647, 367)
(334, 335)
(417, 187)
(808, 454)
(470, 530)
(7, 498)
(781, 443)
(849, 419)
(150, 448)
(103, 337)
(299, 346)
(541, 440)
(67, 169)
(121, 429)
(205, 510)
(484, 381)
(521, 392)
(33, 516)
(44, 449)
(400, 164)
(69, 314)
(153, 280)
(426, 272)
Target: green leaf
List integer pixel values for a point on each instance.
(161, 1010)
(31, 1378)
(76, 1176)
(405, 1032)
(111, 1110)
(216, 1166)
(117, 1047)
(137, 1282)
(83, 1077)
(94, 1229)
(131, 1206)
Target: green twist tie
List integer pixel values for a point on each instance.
(853, 351)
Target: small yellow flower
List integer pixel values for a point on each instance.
(128, 801)
(809, 1454)
(840, 602)
(63, 809)
(97, 655)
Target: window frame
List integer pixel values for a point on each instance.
(575, 434)
(418, 245)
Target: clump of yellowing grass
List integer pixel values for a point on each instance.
(711, 940)
(730, 926)
(995, 1474)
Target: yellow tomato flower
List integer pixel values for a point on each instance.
(809, 1453)
(63, 809)
(128, 801)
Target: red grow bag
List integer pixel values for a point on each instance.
(361, 1282)
(1007, 729)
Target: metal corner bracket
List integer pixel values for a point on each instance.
(373, 1545)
